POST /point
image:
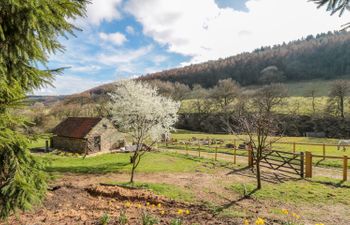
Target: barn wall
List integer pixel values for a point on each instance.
(110, 137)
(68, 144)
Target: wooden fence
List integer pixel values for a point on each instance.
(236, 142)
(304, 167)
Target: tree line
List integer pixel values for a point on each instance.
(324, 56)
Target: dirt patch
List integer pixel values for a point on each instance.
(76, 205)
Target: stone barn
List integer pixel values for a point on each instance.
(86, 135)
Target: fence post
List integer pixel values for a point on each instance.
(308, 164)
(216, 153)
(345, 168)
(294, 147)
(302, 164)
(46, 145)
(234, 155)
(199, 150)
(234, 143)
(186, 147)
(324, 151)
(250, 157)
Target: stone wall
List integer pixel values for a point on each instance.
(69, 144)
(110, 137)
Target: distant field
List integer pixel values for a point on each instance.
(298, 100)
(292, 105)
(301, 88)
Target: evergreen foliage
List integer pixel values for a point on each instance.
(29, 32)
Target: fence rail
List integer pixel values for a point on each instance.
(301, 163)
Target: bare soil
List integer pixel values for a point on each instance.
(81, 199)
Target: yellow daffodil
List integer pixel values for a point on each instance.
(127, 204)
(260, 221)
(296, 216)
(147, 203)
(162, 212)
(153, 205)
(139, 206)
(187, 212)
(285, 211)
(180, 212)
(159, 205)
(246, 222)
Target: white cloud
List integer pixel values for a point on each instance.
(103, 10)
(199, 28)
(130, 30)
(115, 38)
(126, 56)
(68, 84)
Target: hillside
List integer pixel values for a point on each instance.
(325, 56)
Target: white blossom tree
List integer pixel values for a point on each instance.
(137, 108)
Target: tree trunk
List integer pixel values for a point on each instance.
(258, 174)
(134, 165)
(132, 173)
(342, 107)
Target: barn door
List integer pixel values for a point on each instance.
(97, 143)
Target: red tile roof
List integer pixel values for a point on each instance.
(76, 127)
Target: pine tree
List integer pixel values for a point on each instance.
(334, 5)
(29, 32)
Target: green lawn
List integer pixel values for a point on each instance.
(120, 162)
(315, 191)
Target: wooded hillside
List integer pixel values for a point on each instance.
(324, 56)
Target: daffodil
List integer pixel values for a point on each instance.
(260, 221)
(159, 205)
(127, 204)
(296, 216)
(147, 203)
(139, 206)
(162, 212)
(187, 212)
(285, 211)
(180, 212)
(246, 222)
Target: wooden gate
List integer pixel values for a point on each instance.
(287, 162)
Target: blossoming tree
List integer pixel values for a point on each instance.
(137, 108)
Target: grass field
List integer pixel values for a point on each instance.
(213, 185)
(314, 149)
(120, 162)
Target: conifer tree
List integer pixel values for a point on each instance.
(29, 32)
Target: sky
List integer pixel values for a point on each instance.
(127, 38)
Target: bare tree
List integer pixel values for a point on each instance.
(312, 94)
(337, 96)
(259, 122)
(269, 96)
(200, 99)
